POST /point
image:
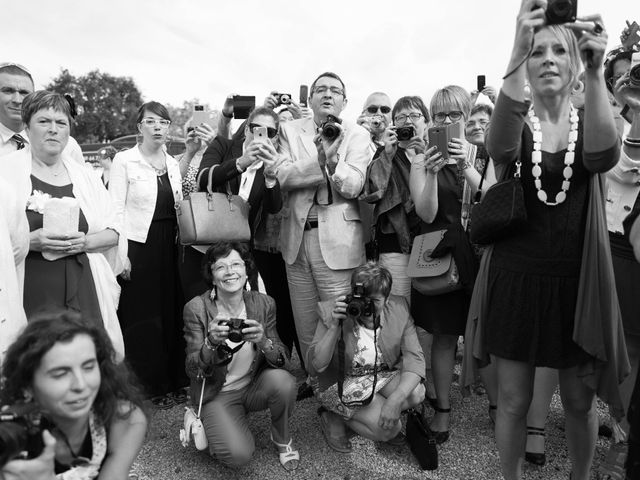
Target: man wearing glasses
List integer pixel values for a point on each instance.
(16, 83)
(376, 117)
(321, 233)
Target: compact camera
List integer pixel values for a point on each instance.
(20, 432)
(283, 98)
(358, 304)
(405, 133)
(193, 428)
(634, 71)
(235, 328)
(561, 11)
(331, 127)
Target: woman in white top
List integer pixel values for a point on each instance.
(145, 184)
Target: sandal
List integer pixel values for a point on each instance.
(162, 402)
(339, 444)
(440, 436)
(290, 458)
(536, 458)
(613, 466)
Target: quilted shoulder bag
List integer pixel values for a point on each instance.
(208, 217)
(501, 212)
(432, 276)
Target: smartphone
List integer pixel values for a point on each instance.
(260, 133)
(441, 135)
(632, 36)
(242, 105)
(200, 116)
(481, 82)
(304, 95)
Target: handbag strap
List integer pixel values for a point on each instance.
(201, 396)
(341, 356)
(210, 181)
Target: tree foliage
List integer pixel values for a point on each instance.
(106, 104)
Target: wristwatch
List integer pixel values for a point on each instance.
(268, 346)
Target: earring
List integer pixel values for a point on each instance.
(27, 396)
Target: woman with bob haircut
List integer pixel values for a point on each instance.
(145, 184)
(76, 269)
(65, 368)
(545, 295)
(234, 348)
(383, 362)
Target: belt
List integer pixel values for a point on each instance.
(309, 224)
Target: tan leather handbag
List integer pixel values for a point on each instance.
(432, 276)
(208, 217)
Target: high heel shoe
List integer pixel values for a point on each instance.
(535, 458)
(440, 436)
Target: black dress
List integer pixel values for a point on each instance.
(150, 310)
(66, 283)
(444, 314)
(533, 276)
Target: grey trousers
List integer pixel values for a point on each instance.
(225, 417)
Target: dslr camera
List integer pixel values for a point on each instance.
(358, 304)
(634, 71)
(561, 11)
(283, 98)
(235, 328)
(405, 133)
(331, 127)
(20, 432)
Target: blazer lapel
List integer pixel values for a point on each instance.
(307, 133)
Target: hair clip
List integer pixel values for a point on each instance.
(72, 105)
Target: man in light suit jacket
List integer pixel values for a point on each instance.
(321, 233)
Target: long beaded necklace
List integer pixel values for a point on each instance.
(569, 157)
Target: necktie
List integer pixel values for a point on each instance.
(20, 141)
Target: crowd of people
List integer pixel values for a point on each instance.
(114, 314)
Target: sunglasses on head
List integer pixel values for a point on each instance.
(375, 108)
(271, 132)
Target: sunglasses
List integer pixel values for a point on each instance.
(374, 109)
(271, 132)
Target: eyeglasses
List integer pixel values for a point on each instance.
(374, 109)
(322, 89)
(271, 132)
(223, 267)
(402, 118)
(152, 122)
(454, 116)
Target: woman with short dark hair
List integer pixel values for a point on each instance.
(145, 184)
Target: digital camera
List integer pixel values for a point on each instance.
(235, 328)
(405, 133)
(561, 11)
(283, 98)
(193, 428)
(634, 71)
(20, 432)
(358, 304)
(331, 127)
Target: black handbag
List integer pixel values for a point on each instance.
(421, 440)
(501, 212)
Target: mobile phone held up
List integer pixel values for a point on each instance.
(200, 116)
(441, 135)
(304, 95)
(242, 105)
(481, 83)
(260, 134)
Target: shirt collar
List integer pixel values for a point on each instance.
(6, 133)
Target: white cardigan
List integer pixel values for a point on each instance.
(134, 190)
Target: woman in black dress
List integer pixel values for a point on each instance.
(437, 187)
(534, 287)
(145, 184)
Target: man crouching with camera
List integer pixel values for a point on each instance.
(367, 359)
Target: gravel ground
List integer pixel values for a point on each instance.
(469, 454)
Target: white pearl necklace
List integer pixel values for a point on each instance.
(569, 157)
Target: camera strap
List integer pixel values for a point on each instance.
(341, 357)
(223, 351)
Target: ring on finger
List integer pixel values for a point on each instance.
(597, 29)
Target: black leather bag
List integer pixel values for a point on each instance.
(500, 213)
(421, 441)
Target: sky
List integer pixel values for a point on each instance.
(177, 50)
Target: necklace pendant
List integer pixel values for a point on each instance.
(568, 173)
(561, 197)
(537, 136)
(538, 183)
(536, 156)
(569, 158)
(536, 171)
(542, 196)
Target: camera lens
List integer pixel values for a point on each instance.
(634, 75)
(354, 310)
(330, 131)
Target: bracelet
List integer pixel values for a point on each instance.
(227, 116)
(208, 344)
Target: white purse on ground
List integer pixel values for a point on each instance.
(193, 426)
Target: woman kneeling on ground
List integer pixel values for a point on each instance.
(383, 364)
(64, 368)
(242, 370)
